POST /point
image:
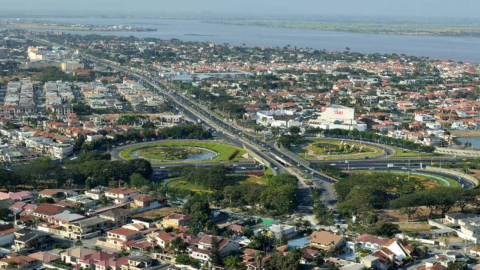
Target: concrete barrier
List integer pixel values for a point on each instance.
(468, 177)
(457, 152)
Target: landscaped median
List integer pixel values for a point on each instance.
(170, 152)
(328, 149)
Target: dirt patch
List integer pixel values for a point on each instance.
(157, 214)
(414, 227)
(422, 214)
(465, 133)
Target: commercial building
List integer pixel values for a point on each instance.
(337, 117)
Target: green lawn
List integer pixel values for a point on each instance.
(223, 150)
(367, 151)
(420, 176)
(408, 153)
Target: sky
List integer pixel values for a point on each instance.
(381, 8)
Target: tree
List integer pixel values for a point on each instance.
(385, 229)
(138, 181)
(322, 214)
(45, 200)
(457, 266)
(408, 204)
(78, 243)
(199, 208)
(278, 261)
(215, 258)
(294, 130)
(104, 200)
(178, 245)
(231, 261)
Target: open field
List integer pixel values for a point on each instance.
(223, 150)
(325, 149)
(157, 214)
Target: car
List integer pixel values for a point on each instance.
(333, 164)
(163, 167)
(243, 168)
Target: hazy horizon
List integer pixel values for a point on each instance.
(248, 8)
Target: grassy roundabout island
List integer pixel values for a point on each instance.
(421, 180)
(184, 152)
(326, 149)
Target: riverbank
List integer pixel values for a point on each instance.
(399, 28)
(77, 28)
(465, 133)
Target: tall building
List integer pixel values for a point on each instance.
(337, 117)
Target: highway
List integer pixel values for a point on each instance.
(268, 152)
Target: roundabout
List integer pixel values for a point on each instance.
(329, 149)
(187, 152)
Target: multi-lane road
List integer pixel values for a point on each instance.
(234, 135)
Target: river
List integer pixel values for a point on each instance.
(475, 141)
(447, 48)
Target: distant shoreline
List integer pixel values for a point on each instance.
(465, 133)
(362, 28)
(72, 28)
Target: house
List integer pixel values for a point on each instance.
(400, 249)
(176, 221)
(121, 195)
(371, 242)
(46, 210)
(280, 230)
(144, 263)
(85, 228)
(119, 237)
(22, 208)
(163, 238)
(64, 218)
(56, 193)
(117, 216)
(7, 234)
(20, 261)
(44, 257)
(21, 196)
(326, 240)
(309, 256)
(112, 263)
(89, 261)
(96, 193)
(200, 250)
(145, 202)
(30, 240)
(84, 200)
(74, 254)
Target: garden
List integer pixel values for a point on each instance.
(186, 152)
(325, 149)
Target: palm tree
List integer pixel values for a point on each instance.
(258, 259)
(232, 261)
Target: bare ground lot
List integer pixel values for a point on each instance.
(387, 215)
(157, 214)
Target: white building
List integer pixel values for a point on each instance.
(337, 117)
(424, 118)
(201, 249)
(277, 118)
(121, 195)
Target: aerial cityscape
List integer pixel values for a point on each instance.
(254, 135)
